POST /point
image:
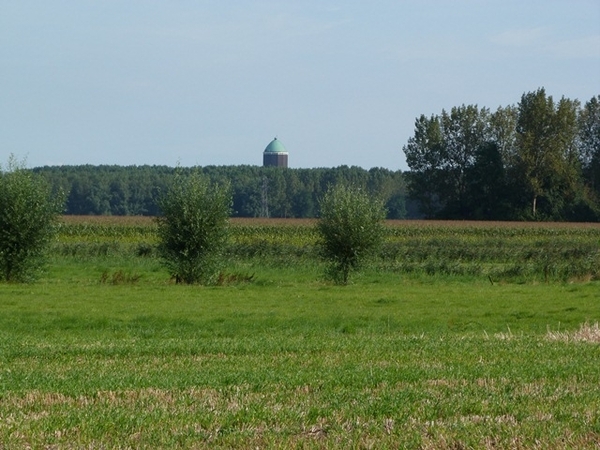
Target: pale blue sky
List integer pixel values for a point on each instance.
(198, 82)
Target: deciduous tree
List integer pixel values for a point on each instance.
(441, 154)
(28, 221)
(589, 142)
(193, 228)
(545, 147)
(350, 229)
(424, 156)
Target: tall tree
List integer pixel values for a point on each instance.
(503, 132)
(487, 187)
(570, 182)
(545, 139)
(424, 156)
(589, 142)
(440, 156)
(464, 132)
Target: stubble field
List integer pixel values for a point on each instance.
(456, 336)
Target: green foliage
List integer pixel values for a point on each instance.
(546, 160)
(589, 138)
(28, 213)
(193, 228)
(350, 229)
(134, 190)
(442, 155)
(535, 161)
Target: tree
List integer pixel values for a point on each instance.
(503, 132)
(545, 147)
(134, 190)
(28, 221)
(487, 186)
(589, 142)
(349, 228)
(464, 132)
(424, 154)
(193, 228)
(441, 154)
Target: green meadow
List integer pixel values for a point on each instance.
(453, 337)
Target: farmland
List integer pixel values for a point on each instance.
(457, 335)
(501, 251)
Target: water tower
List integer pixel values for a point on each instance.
(275, 155)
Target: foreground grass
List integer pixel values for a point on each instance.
(288, 361)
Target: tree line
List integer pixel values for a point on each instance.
(256, 191)
(538, 160)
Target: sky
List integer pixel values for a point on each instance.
(338, 82)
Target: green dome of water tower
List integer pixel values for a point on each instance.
(275, 155)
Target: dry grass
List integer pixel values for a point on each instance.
(586, 333)
(216, 418)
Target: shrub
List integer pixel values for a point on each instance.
(192, 229)
(350, 228)
(28, 221)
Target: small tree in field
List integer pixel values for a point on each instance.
(28, 221)
(193, 228)
(350, 228)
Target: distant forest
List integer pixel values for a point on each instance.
(257, 191)
(538, 160)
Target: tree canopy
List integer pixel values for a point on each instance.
(349, 228)
(28, 213)
(256, 191)
(538, 160)
(192, 228)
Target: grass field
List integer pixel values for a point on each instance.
(106, 352)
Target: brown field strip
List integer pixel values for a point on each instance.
(258, 221)
(107, 220)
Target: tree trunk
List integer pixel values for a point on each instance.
(534, 204)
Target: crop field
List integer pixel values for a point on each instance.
(498, 251)
(455, 336)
